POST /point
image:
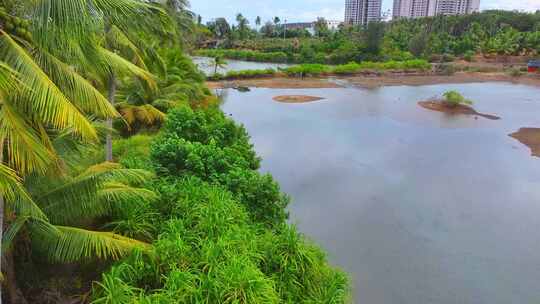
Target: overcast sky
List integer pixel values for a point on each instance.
(309, 10)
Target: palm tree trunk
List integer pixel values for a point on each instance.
(9, 281)
(15, 295)
(108, 141)
(1, 218)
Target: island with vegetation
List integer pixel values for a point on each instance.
(121, 181)
(453, 103)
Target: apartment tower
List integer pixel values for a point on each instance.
(426, 8)
(361, 12)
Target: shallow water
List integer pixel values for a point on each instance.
(206, 66)
(418, 206)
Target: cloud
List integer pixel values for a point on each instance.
(522, 5)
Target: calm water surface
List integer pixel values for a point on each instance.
(206, 65)
(420, 207)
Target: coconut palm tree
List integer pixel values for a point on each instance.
(219, 62)
(42, 95)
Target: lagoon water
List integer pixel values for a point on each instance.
(418, 206)
(205, 64)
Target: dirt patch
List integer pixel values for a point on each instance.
(276, 83)
(296, 98)
(439, 106)
(529, 137)
(418, 80)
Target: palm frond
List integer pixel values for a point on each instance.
(75, 244)
(146, 114)
(25, 150)
(44, 99)
(109, 198)
(87, 98)
(116, 62)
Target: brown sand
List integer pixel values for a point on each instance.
(275, 83)
(376, 81)
(461, 77)
(296, 98)
(439, 106)
(529, 137)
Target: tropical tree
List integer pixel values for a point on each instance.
(219, 62)
(258, 21)
(42, 92)
(242, 25)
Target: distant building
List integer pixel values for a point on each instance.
(361, 12)
(299, 25)
(457, 7)
(333, 24)
(426, 8)
(310, 26)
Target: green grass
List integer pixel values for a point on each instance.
(244, 74)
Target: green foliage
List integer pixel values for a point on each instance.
(210, 146)
(454, 99)
(489, 32)
(244, 55)
(243, 74)
(352, 67)
(209, 252)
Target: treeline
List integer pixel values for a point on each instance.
(115, 160)
(314, 69)
(489, 33)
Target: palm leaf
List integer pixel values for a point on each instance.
(115, 62)
(44, 100)
(79, 90)
(25, 150)
(75, 244)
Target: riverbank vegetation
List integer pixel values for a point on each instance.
(121, 181)
(442, 38)
(310, 70)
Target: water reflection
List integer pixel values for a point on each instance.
(419, 206)
(206, 65)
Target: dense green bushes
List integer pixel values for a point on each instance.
(352, 68)
(244, 74)
(246, 55)
(221, 235)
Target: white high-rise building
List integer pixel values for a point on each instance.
(457, 7)
(361, 12)
(426, 8)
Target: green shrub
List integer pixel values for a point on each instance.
(243, 74)
(469, 56)
(208, 251)
(454, 99)
(307, 69)
(446, 69)
(515, 72)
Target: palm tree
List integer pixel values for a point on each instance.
(258, 21)
(41, 95)
(219, 62)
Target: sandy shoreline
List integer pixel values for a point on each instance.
(437, 105)
(529, 137)
(371, 82)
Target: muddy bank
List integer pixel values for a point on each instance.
(275, 83)
(418, 80)
(439, 106)
(529, 137)
(296, 98)
(375, 81)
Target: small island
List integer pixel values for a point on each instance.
(529, 137)
(296, 98)
(454, 103)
